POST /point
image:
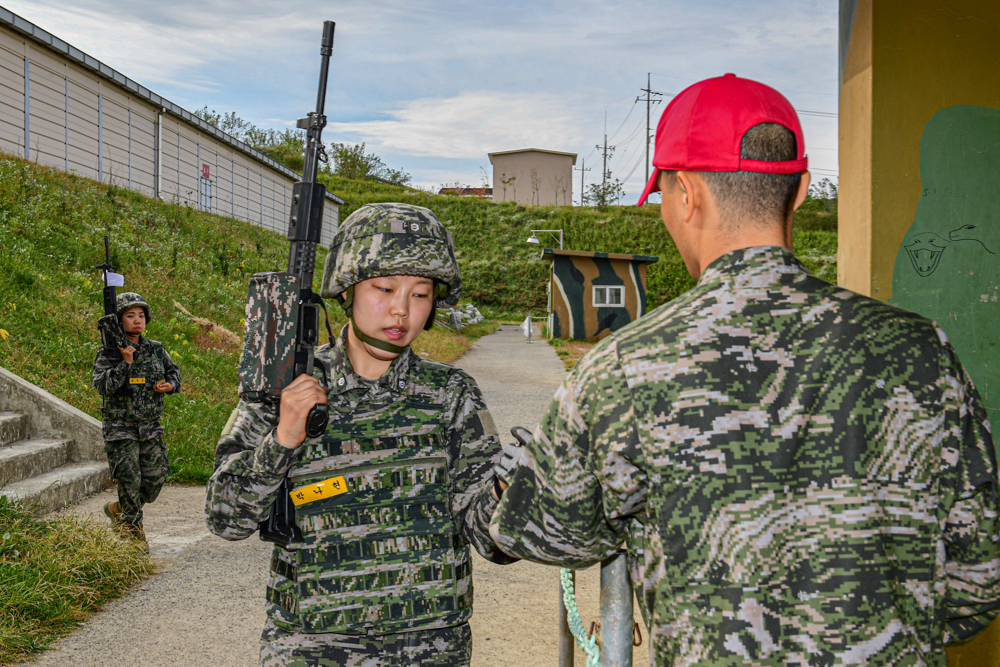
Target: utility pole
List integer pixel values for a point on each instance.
(649, 100)
(582, 168)
(606, 150)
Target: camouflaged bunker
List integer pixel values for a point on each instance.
(592, 294)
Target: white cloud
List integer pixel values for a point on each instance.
(472, 124)
(152, 51)
(430, 84)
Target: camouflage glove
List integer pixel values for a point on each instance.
(508, 461)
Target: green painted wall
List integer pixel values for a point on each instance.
(948, 265)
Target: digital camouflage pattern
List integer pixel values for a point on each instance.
(420, 433)
(141, 467)
(440, 647)
(272, 315)
(131, 408)
(802, 475)
(127, 300)
(388, 240)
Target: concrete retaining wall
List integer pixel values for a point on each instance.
(52, 416)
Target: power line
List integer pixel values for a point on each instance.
(801, 92)
(582, 168)
(649, 93)
(624, 121)
(607, 150)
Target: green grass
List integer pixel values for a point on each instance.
(54, 573)
(505, 276)
(51, 230)
(52, 226)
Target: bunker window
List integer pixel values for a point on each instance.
(609, 295)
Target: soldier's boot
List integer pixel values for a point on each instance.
(113, 510)
(135, 532)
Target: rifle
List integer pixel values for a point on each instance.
(112, 333)
(282, 316)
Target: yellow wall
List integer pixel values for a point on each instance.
(905, 61)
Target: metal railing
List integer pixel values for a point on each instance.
(616, 621)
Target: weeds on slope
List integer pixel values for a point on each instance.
(52, 226)
(54, 573)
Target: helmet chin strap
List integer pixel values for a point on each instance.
(375, 342)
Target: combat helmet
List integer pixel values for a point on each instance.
(386, 240)
(127, 300)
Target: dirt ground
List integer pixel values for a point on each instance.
(205, 605)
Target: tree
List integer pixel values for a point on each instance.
(824, 189)
(289, 147)
(286, 147)
(510, 181)
(604, 194)
(559, 185)
(536, 184)
(351, 161)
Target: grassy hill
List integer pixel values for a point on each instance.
(52, 226)
(51, 234)
(504, 275)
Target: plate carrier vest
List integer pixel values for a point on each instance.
(383, 555)
(136, 400)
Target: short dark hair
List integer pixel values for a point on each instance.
(750, 195)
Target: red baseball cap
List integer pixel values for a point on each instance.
(703, 126)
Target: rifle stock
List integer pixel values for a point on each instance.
(112, 333)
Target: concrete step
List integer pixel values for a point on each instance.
(14, 426)
(61, 486)
(33, 457)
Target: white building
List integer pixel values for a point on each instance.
(62, 108)
(533, 177)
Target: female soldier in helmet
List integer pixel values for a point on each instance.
(390, 498)
(132, 381)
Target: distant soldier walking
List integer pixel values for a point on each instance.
(389, 500)
(132, 381)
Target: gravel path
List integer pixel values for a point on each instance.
(204, 607)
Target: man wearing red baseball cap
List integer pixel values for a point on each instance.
(801, 474)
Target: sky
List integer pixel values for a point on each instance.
(433, 87)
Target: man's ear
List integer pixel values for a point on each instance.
(689, 197)
(803, 192)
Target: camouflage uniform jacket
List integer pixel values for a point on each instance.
(802, 475)
(131, 408)
(250, 464)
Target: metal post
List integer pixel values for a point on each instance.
(27, 109)
(157, 158)
(100, 137)
(566, 643)
(130, 147)
(66, 116)
(616, 613)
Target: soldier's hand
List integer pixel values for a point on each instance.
(127, 354)
(162, 387)
(297, 399)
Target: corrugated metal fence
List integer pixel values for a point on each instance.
(62, 108)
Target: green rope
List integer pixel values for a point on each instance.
(587, 644)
